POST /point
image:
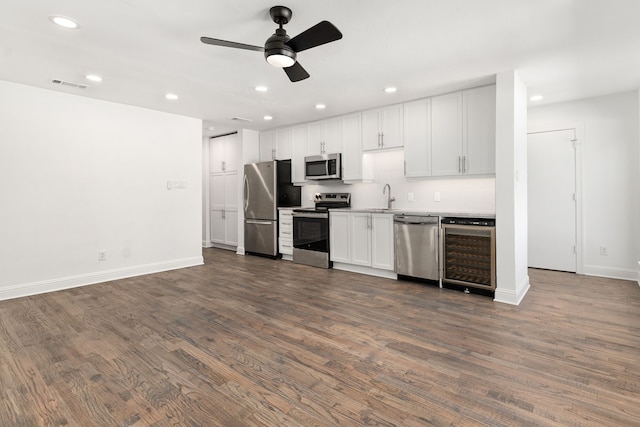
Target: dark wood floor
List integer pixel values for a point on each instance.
(246, 341)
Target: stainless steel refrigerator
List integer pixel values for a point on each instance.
(267, 186)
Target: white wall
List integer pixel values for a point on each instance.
(457, 195)
(78, 176)
(610, 178)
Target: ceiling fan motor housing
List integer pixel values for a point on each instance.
(276, 45)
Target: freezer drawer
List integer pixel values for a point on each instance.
(260, 237)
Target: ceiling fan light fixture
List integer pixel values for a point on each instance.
(281, 58)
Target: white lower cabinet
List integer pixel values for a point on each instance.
(285, 233)
(224, 209)
(362, 238)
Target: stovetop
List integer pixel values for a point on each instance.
(325, 201)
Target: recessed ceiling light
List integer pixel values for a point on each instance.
(65, 22)
(261, 88)
(536, 98)
(390, 89)
(321, 106)
(268, 118)
(211, 128)
(171, 96)
(94, 78)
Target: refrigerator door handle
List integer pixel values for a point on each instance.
(259, 222)
(246, 193)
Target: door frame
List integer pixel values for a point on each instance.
(578, 138)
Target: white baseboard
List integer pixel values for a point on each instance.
(365, 270)
(513, 297)
(59, 284)
(611, 272)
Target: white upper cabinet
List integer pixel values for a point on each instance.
(446, 134)
(382, 128)
(276, 144)
(463, 132)
(479, 130)
(223, 154)
(417, 138)
(356, 167)
(298, 151)
(323, 137)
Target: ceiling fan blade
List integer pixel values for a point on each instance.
(296, 72)
(225, 43)
(319, 34)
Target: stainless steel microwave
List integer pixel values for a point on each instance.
(324, 166)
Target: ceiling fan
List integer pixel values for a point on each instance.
(280, 50)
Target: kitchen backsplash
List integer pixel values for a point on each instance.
(464, 194)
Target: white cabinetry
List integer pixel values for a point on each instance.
(356, 166)
(276, 145)
(363, 239)
(224, 208)
(446, 134)
(479, 130)
(285, 234)
(382, 128)
(323, 137)
(417, 138)
(452, 134)
(223, 191)
(222, 151)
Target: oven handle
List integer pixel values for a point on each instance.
(310, 215)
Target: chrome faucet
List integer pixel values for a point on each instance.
(389, 198)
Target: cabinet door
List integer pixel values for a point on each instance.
(217, 188)
(284, 144)
(231, 227)
(479, 130)
(351, 147)
(217, 226)
(332, 137)
(314, 138)
(231, 190)
(417, 138)
(382, 251)
(339, 236)
(392, 127)
(299, 150)
(446, 134)
(267, 146)
(371, 138)
(361, 238)
(216, 154)
(230, 153)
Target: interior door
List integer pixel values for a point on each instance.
(551, 190)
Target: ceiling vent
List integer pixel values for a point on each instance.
(68, 84)
(241, 119)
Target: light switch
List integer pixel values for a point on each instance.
(436, 196)
(410, 196)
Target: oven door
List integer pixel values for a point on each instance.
(311, 231)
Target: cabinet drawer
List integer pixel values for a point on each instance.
(286, 232)
(286, 246)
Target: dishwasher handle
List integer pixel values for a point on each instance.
(413, 219)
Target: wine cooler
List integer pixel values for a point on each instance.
(469, 252)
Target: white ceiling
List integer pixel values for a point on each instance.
(563, 49)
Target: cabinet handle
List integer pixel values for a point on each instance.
(459, 164)
(381, 139)
(224, 216)
(285, 232)
(465, 164)
(405, 168)
(222, 165)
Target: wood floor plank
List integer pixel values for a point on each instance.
(249, 341)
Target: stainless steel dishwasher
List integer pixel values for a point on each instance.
(416, 246)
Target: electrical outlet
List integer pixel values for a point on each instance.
(604, 251)
(102, 255)
(410, 197)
